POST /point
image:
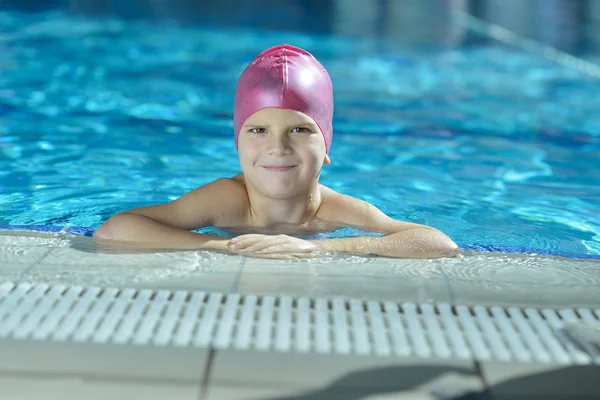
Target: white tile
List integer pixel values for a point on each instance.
(337, 373)
(170, 365)
(347, 266)
(374, 288)
(10, 271)
(523, 295)
(349, 276)
(36, 387)
(541, 381)
(253, 393)
(31, 239)
(191, 270)
(142, 276)
(184, 260)
(23, 255)
(523, 269)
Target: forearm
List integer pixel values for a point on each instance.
(142, 232)
(410, 243)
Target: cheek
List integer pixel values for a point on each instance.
(246, 154)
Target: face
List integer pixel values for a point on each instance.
(281, 152)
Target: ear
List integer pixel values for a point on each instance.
(327, 160)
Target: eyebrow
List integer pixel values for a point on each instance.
(306, 123)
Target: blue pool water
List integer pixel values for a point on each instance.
(496, 147)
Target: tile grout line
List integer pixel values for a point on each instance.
(204, 382)
(238, 278)
(486, 387)
(32, 266)
(452, 296)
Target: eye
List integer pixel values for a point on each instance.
(301, 129)
(257, 130)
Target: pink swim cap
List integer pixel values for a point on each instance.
(287, 77)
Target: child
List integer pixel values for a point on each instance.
(283, 129)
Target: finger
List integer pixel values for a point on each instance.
(283, 246)
(277, 247)
(265, 244)
(243, 241)
(284, 256)
(273, 256)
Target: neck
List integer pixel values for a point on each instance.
(290, 210)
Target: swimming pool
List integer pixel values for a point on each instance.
(495, 146)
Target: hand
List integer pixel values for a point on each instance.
(279, 246)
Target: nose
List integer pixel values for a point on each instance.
(278, 144)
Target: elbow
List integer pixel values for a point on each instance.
(441, 246)
(427, 242)
(447, 251)
(111, 230)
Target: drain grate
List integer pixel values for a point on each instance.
(300, 324)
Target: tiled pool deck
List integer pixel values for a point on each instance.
(471, 278)
(31, 369)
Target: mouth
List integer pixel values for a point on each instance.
(278, 168)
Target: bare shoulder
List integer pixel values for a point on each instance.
(349, 211)
(225, 198)
(221, 201)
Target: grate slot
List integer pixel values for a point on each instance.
(243, 338)
(91, 319)
(5, 289)
(132, 317)
(359, 328)
(150, 318)
(341, 330)
(569, 316)
(436, 334)
(380, 338)
(107, 326)
(167, 325)
(415, 331)
(322, 341)
(12, 299)
(72, 320)
(60, 310)
(512, 337)
(26, 304)
(491, 334)
(529, 336)
(398, 333)
(33, 320)
(475, 339)
(456, 338)
(587, 315)
(283, 328)
(547, 336)
(227, 322)
(302, 337)
(265, 323)
(185, 329)
(208, 320)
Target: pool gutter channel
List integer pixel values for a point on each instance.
(84, 327)
(146, 317)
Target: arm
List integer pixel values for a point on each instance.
(167, 226)
(402, 239)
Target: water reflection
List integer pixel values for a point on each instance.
(569, 25)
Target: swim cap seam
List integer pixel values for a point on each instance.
(284, 76)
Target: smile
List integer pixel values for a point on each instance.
(275, 168)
